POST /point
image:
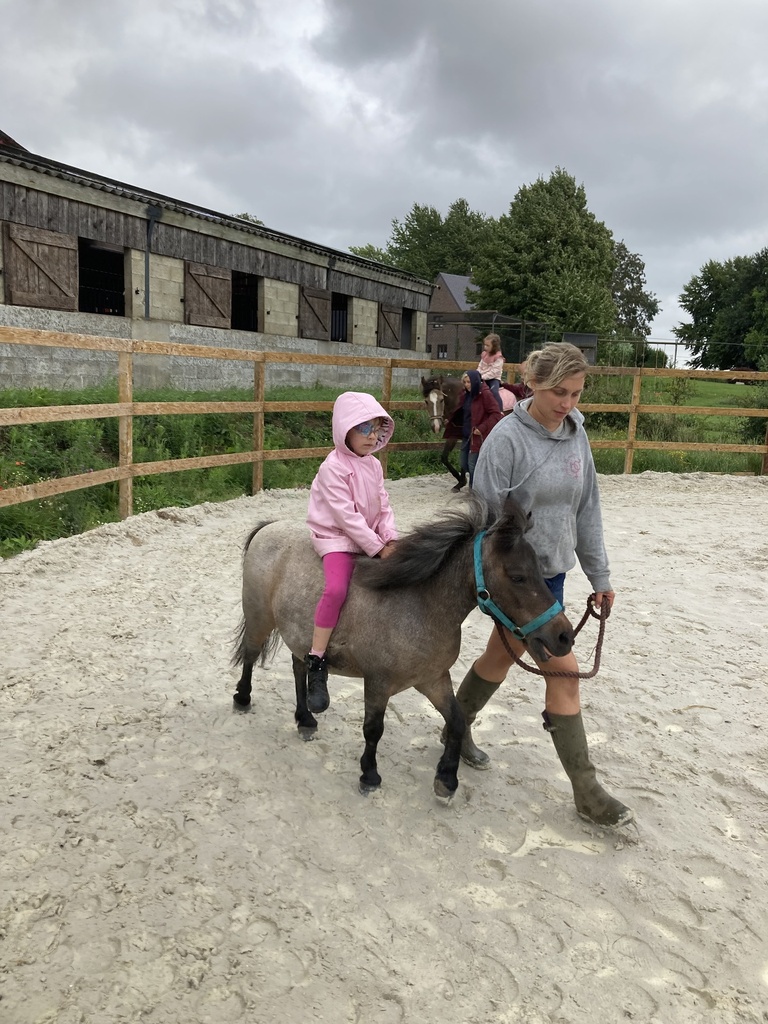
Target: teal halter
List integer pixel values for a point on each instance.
(486, 604)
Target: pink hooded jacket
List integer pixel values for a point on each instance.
(349, 509)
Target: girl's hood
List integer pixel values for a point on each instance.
(353, 407)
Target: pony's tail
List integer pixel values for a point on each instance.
(244, 653)
(252, 534)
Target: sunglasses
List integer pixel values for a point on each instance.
(369, 427)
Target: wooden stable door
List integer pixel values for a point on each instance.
(315, 314)
(390, 322)
(207, 295)
(40, 268)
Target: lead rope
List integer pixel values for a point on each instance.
(591, 611)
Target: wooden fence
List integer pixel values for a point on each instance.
(125, 409)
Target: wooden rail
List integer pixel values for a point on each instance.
(125, 409)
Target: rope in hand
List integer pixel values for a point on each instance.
(591, 612)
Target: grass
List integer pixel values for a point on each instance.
(35, 452)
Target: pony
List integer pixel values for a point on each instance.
(444, 398)
(400, 626)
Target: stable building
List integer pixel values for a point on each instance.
(456, 327)
(84, 254)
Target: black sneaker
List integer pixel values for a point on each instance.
(317, 683)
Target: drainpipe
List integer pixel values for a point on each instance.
(154, 213)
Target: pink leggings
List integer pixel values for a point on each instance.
(338, 567)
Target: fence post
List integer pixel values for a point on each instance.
(764, 465)
(386, 398)
(257, 479)
(637, 384)
(125, 429)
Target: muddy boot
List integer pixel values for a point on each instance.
(592, 801)
(473, 694)
(317, 683)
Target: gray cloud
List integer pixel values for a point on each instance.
(328, 118)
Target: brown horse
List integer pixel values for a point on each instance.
(444, 398)
(400, 626)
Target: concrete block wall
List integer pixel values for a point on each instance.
(167, 287)
(28, 366)
(25, 366)
(279, 302)
(364, 319)
(420, 332)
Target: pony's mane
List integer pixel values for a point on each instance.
(437, 384)
(423, 552)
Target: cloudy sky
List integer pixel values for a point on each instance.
(329, 118)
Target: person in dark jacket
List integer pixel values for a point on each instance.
(481, 413)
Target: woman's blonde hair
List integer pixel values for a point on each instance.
(549, 366)
(495, 341)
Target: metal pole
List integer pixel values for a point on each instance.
(154, 213)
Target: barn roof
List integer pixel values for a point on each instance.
(6, 140)
(457, 285)
(12, 153)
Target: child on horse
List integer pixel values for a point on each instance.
(349, 514)
(491, 365)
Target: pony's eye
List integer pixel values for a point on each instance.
(517, 579)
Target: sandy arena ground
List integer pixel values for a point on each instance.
(168, 861)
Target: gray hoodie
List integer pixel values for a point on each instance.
(553, 477)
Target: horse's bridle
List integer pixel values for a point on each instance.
(487, 605)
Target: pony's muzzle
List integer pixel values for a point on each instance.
(550, 643)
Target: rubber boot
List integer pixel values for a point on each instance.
(592, 801)
(317, 683)
(473, 694)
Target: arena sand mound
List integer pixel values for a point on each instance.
(166, 860)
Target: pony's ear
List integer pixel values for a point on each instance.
(514, 520)
(423, 381)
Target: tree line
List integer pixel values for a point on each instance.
(550, 260)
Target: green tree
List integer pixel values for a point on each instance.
(550, 260)
(372, 252)
(250, 218)
(728, 306)
(635, 307)
(427, 244)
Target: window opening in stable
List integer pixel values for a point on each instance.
(339, 313)
(406, 329)
(101, 274)
(245, 302)
(442, 351)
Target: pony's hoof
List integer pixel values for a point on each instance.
(307, 732)
(241, 701)
(366, 788)
(457, 487)
(442, 792)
